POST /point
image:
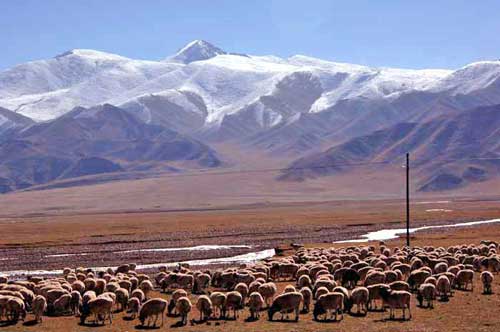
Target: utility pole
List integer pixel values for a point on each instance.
(408, 199)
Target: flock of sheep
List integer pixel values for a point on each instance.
(328, 281)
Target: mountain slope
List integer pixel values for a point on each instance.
(98, 140)
(11, 121)
(441, 150)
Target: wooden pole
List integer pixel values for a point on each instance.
(408, 199)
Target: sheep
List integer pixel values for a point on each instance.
(350, 278)
(177, 294)
(399, 285)
(153, 307)
(285, 303)
(417, 277)
(234, 301)
(219, 302)
(307, 298)
(39, 307)
(332, 302)
(304, 281)
(320, 291)
(3, 304)
(374, 294)
(146, 286)
(360, 297)
(464, 278)
(328, 284)
(100, 307)
(183, 307)
(78, 286)
(289, 289)
(242, 288)
(133, 306)
(268, 290)
(373, 278)
(487, 280)
(185, 281)
(15, 309)
(255, 304)
(201, 282)
(443, 287)
(426, 292)
(396, 300)
(122, 298)
(62, 304)
(54, 294)
(205, 307)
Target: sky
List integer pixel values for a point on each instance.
(380, 33)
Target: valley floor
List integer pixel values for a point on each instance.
(106, 238)
(466, 311)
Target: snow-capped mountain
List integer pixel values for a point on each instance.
(283, 106)
(196, 50)
(226, 84)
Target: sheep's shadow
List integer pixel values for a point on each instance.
(8, 323)
(399, 319)
(488, 294)
(282, 321)
(177, 324)
(94, 325)
(202, 321)
(328, 321)
(128, 318)
(251, 319)
(143, 327)
(358, 314)
(444, 299)
(32, 322)
(421, 306)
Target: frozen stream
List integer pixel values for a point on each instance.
(389, 234)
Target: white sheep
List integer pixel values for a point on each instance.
(205, 307)
(487, 280)
(443, 287)
(307, 299)
(154, 307)
(284, 303)
(183, 307)
(255, 304)
(234, 301)
(426, 292)
(268, 290)
(133, 306)
(332, 302)
(396, 300)
(39, 306)
(100, 307)
(219, 302)
(465, 278)
(360, 297)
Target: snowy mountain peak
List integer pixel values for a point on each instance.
(195, 51)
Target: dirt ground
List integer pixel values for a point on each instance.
(28, 240)
(465, 311)
(262, 226)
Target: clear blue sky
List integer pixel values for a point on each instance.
(411, 34)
